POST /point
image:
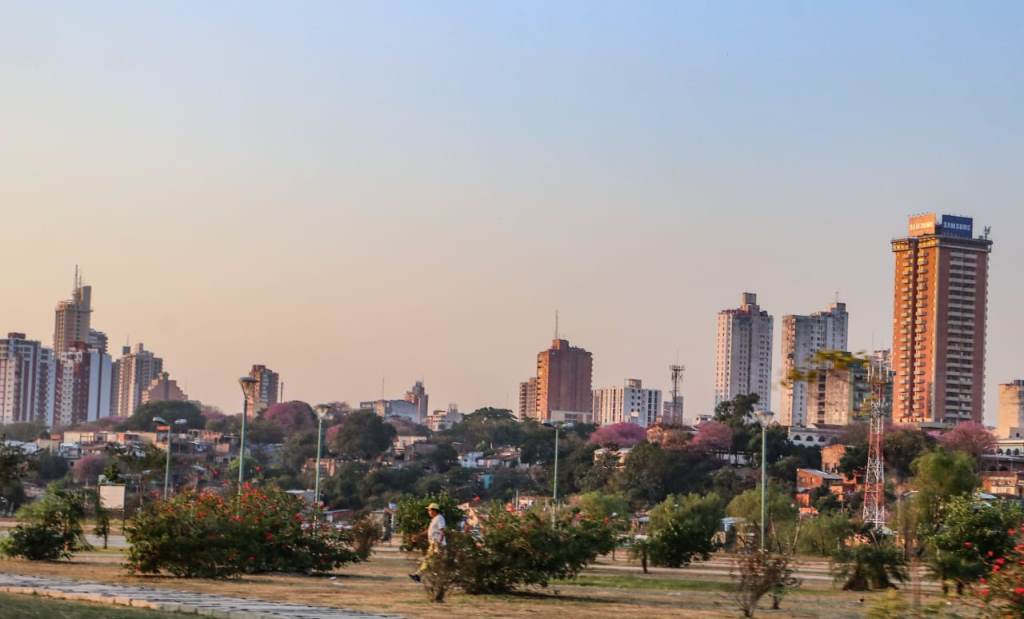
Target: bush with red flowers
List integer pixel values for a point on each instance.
(1000, 593)
(205, 535)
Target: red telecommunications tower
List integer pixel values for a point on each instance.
(874, 476)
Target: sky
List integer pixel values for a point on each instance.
(360, 195)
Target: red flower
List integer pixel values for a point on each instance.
(1018, 591)
(990, 554)
(968, 545)
(269, 536)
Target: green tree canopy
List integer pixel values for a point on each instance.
(965, 532)
(938, 476)
(362, 436)
(683, 527)
(142, 419)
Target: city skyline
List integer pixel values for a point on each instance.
(269, 186)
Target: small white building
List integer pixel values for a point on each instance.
(630, 403)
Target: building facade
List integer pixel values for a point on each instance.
(82, 391)
(564, 375)
(835, 397)
(630, 403)
(528, 399)
(163, 388)
(266, 391)
(73, 316)
(802, 337)
(418, 397)
(743, 353)
(939, 314)
(1011, 409)
(28, 373)
(135, 371)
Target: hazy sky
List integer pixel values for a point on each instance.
(356, 192)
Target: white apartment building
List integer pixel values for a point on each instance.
(27, 378)
(802, 337)
(630, 403)
(743, 353)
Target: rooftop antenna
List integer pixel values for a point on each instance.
(556, 324)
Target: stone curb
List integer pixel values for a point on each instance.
(206, 605)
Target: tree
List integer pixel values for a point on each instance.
(362, 436)
(712, 436)
(642, 479)
(49, 467)
(874, 564)
(780, 510)
(938, 476)
(142, 419)
(87, 469)
(291, 417)
(968, 532)
(610, 508)
(969, 437)
(683, 527)
(826, 534)
(903, 446)
(23, 431)
(738, 414)
(13, 469)
(51, 528)
(488, 427)
(618, 435)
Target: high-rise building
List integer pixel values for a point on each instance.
(564, 375)
(97, 340)
(27, 379)
(836, 396)
(802, 337)
(743, 354)
(135, 371)
(265, 393)
(939, 312)
(72, 317)
(630, 403)
(1011, 409)
(418, 396)
(163, 389)
(82, 391)
(528, 399)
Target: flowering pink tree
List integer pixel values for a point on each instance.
(291, 417)
(621, 434)
(88, 468)
(969, 437)
(713, 436)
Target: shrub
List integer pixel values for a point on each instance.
(1000, 593)
(412, 519)
(968, 533)
(683, 527)
(761, 573)
(873, 564)
(207, 536)
(51, 527)
(512, 550)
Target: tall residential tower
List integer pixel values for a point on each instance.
(743, 354)
(802, 337)
(564, 375)
(939, 312)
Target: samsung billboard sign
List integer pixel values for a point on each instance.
(962, 227)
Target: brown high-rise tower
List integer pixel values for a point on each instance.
(564, 383)
(939, 309)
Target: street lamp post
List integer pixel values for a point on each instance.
(167, 467)
(322, 412)
(556, 425)
(247, 383)
(764, 417)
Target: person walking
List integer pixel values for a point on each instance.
(435, 539)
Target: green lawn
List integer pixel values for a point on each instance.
(36, 607)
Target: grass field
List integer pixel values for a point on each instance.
(34, 607)
(613, 588)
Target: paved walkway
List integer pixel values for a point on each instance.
(169, 600)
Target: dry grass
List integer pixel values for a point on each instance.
(381, 586)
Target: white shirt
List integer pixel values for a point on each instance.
(435, 532)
